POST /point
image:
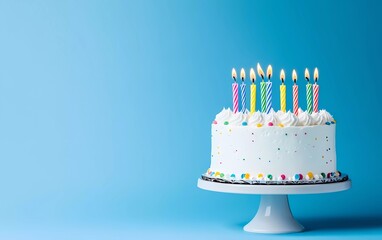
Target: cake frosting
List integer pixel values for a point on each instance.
(274, 146)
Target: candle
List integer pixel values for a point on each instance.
(315, 91)
(309, 97)
(269, 89)
(295, 93)
(253, 90)
(282, 92)
(235, 93)
(242, 87)
(262, 88)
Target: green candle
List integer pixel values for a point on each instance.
(262, 88)
(309, 94)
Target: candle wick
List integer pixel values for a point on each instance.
(234, 78)
(307, 79)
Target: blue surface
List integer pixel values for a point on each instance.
(105, 112)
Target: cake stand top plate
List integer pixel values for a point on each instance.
(274, 189)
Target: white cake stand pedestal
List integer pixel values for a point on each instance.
(273, 214)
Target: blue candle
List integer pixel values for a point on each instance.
(243, 94)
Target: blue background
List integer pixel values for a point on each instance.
(105, 112)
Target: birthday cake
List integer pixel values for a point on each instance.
(270, 147)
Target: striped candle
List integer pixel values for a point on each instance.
(269, 89)
(316, 88)
(242, 87)
(315, 97)
(253, 90)
(263, 96)
(269, 96)
(262, 88)
(282, 92)
(309, 97)
(235, 92)
(295, 93)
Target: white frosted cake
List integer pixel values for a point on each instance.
(273, 147)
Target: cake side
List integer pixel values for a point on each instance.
(272, 153)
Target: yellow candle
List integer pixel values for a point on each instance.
(282, 92)
(253, 91)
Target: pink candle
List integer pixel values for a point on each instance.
(316, 88)
(295, 93)
(235, 92)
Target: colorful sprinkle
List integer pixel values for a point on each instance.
(323, 175)
(329, 175)
(297, 177)
(233, 175)
(259, 125)
(260, 176)
(269, 176)
(221, 175)
(310, 175)
(270, 124)
(247, 176)
(243, 176)
(226, 123)
(217, 174)
(282, 176)
(301, 177)
(327, 123)
(281, 125)
(214, 122)
(244, 123)
(332, 122)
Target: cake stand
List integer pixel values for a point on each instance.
(273, 214)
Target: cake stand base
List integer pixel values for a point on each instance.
(273, 214)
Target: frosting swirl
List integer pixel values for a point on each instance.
(256, 118)
(223, 116)
(271, 117)
(288, 119)
(326, 116)
(318, 119)
(237, 118)
(304, 119)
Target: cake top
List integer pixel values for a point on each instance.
(279, 118)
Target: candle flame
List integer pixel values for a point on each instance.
(242, 74)
(315, 74)
(269, 71)
(234, 74)
(307, 76)
(294, 76)
(260, 71)
(252, 75)
(282, 75)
